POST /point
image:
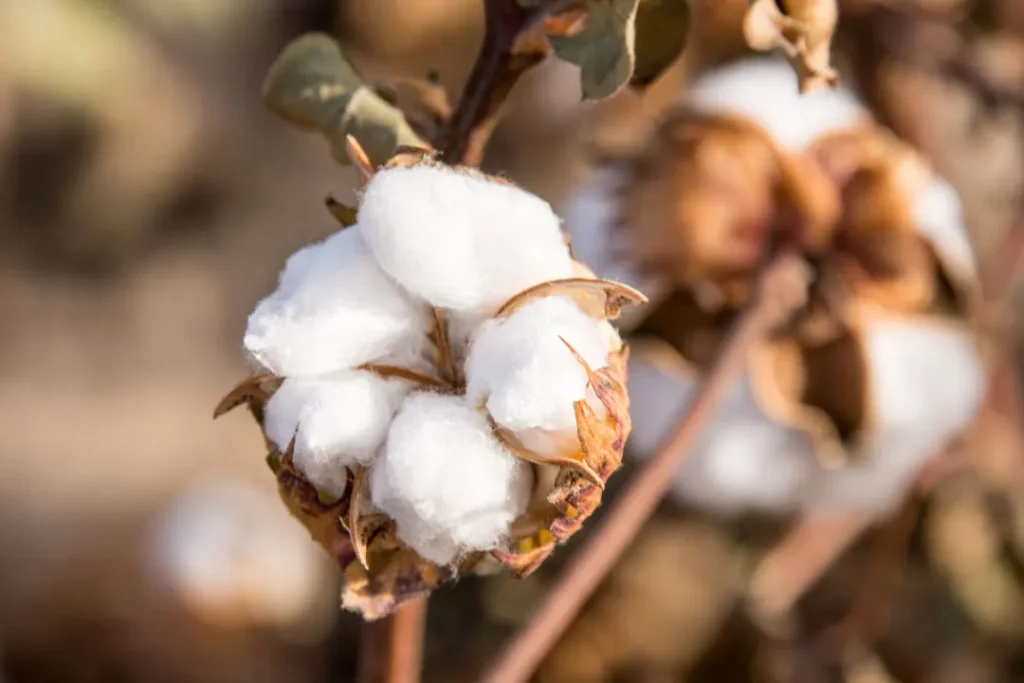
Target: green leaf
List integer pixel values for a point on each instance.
(661, 30)
(604, 48)
(313, 86)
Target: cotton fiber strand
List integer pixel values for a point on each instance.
(459, 240)
(445, 479)
(338, 421)
(522, 372)
(334, 309)
(765, 90)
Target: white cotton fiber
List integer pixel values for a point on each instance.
(338, 421)
(742, 459)
(938, 214)
(447, 482)
(522, 372)
(459, 240)
(765, 90)
(334, 309)
(926, 382)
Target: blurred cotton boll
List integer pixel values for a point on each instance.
(235, 557)
(765, 91)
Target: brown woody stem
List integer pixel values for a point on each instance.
(466, 133)
(629, 512)
(391, 649)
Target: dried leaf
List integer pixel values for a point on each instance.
(313, 86)
(604, 49)
(803, 33)
(363, 523)
(402, 575)
(254, 392)
(322, 520)
(345, 215)
(661, 31)
(601, 299)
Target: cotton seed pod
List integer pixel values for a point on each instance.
(483, 423)
(869, 377)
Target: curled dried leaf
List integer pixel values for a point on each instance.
(661, 31)
(313, 86)
(363, 523)
(254, 392)
(601, 299)
(803, 33)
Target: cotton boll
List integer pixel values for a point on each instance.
(445, 479)
(765, 91)
(742, 459)
(338, 421)
(926, 383)
(938, 214)
(229, 552)
(334, 309)
(459, 240)
(522, 371)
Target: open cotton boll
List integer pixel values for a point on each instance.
(926, 382)
(522, 372)
(742, 459)
(445, 479)
(459, 240)
(765, 90)
(938, 214)
(334, 309)
(338, 421)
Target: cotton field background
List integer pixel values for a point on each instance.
(853, 511)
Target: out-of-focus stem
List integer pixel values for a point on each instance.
(628, 514)
(391, 650)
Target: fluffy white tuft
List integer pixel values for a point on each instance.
(447, 482)
(939, 215)
(459, 240)
(520, 369)
(334, 309)
(765, 90)
(338, 421)
(926, 382)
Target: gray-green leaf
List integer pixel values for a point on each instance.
(313, 86)
(604, 49)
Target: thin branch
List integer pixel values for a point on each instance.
(589, 567)
(498, 66)
(391, 649)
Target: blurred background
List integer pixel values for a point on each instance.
(147, 201)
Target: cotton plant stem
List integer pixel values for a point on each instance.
(391, 649)
(467, 132)
(629, 512)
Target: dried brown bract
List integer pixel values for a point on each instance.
(803, 31)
